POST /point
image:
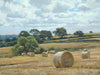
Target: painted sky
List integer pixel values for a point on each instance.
(17, 15)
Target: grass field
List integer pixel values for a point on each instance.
(38, 65)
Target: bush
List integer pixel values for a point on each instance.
(59, 49)
(51, 48)
(39, 50)
(79, 33)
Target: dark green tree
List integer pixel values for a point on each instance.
(24, 33)
(79, 33)
(90, 31)
(25, 44)
(35, 32)
(47, 34)
(60, 32)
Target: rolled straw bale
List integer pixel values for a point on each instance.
(52, 52)
(63, 59)
(85, 54)
(28, 53)
(23, 54)
(32, 54)
(44, 54)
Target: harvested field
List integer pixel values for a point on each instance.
(36, 65)
(69, 45)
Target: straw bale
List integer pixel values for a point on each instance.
(63, 59)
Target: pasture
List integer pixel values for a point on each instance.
(38, 65)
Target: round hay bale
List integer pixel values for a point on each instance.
(63, 59)
(23, 54)
(85, 54)
(32, 54)
(51, 52)
(44, 54)
(28, 53)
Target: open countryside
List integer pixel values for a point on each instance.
(37, 65)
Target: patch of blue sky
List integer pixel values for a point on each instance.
(16, 2)
(73, 10)
(84, 1)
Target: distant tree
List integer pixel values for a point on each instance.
(91, 32)
(47, 34)
(25, 44)
(35, 32)
(79, 33)
(60, 32)
(7, 40)
(1, 40)
(14, 38)
(24, 33)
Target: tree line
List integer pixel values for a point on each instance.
(40, 36)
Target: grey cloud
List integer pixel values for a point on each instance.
(60, 8)
(32, 21)
(9, 1)
(1, 25)
(39, 13)
(4, 9)
(39, 3)
(83, 8)
(15, 15)
(97, 0)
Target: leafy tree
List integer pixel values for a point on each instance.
(79, 33)
(7, 40)
(60, 32)
(31, 44)
(47, 34)
(91, 32)
(24, 33)
(35, 32)
(25, 44)
(14, 38)
(1, 40)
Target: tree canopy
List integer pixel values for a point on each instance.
(25, 44)
(60, 32)
(24, 33)
(79, 33)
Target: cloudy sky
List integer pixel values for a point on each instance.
(17, 15)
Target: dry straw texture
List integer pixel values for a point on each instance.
(44, 54)
(10, 55)
(32, 54)
(85, 54)
(63, 59)
(52, 52)
(23, 54)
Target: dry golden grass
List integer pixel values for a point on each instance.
(5, 50)
(68, 45)
(38, 65)
(93, 38)
(91, 33)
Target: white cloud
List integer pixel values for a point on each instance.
(49, 14)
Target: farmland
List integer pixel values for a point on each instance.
(38, 65)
